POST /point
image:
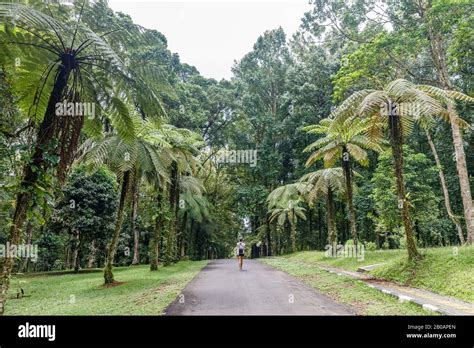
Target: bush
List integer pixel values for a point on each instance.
(349, 242)
(58, 265)
(403, 242)
(370, 246)
(50, 249)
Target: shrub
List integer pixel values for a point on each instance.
(403, 242)
(370, 246)
(58, 265)
(349, 242)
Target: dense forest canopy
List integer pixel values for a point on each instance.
(360, 127)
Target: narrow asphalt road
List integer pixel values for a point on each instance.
(221, 289)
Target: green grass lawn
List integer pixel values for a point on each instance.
(448, 270)
(354, 293)
(442, 270)
(351, 264)
(142, 292)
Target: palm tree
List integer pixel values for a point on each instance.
(185, 147)
(181, 150)
(396, 107)
(133, 219)
(327, 183)
(290, 211)
(195, 208)
(163, 133)
(155, 242)
(145, 156)
(280, 195)
(344, 140)
(73, 53)
(285, 193)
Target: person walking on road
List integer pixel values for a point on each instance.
(240, 252)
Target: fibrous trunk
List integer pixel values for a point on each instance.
(332, 234)
(32, 170)
(396, 142)
(134, 214)
(350, 200)
(293, 234)
(112, 248)
(157, 233)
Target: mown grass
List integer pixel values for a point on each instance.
(348, 263)
(448, 270)
(141, 293)
(362, 299)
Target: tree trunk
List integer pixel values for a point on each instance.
(447, 202)
(377, 236)
(396, 142)
(155, 247)
(157, 233)
(134, 214)
(31, 170)
(171, 246)
(92, 255)
(274, 231)
(67, 261)
(463, 175)
(182, 231)
(293, 234)
(320, 227)
(29, 234)
(438, 54)
(332, 234)
(76, 256)
(112, 248)
(193, 241)
(177, 231)
(268, 233)
(346, 165)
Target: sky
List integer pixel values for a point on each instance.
(211, 34)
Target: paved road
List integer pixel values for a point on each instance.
(221, 289)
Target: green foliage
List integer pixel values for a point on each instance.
(87, 210)
(50, 251)
(370, 246)
(420, 177)
(156, 113)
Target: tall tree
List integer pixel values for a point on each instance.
(344, 140)
(436, 17)
(73, 55)
(327, 183)
(141, 154)
(396, 107)
(290, 211)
